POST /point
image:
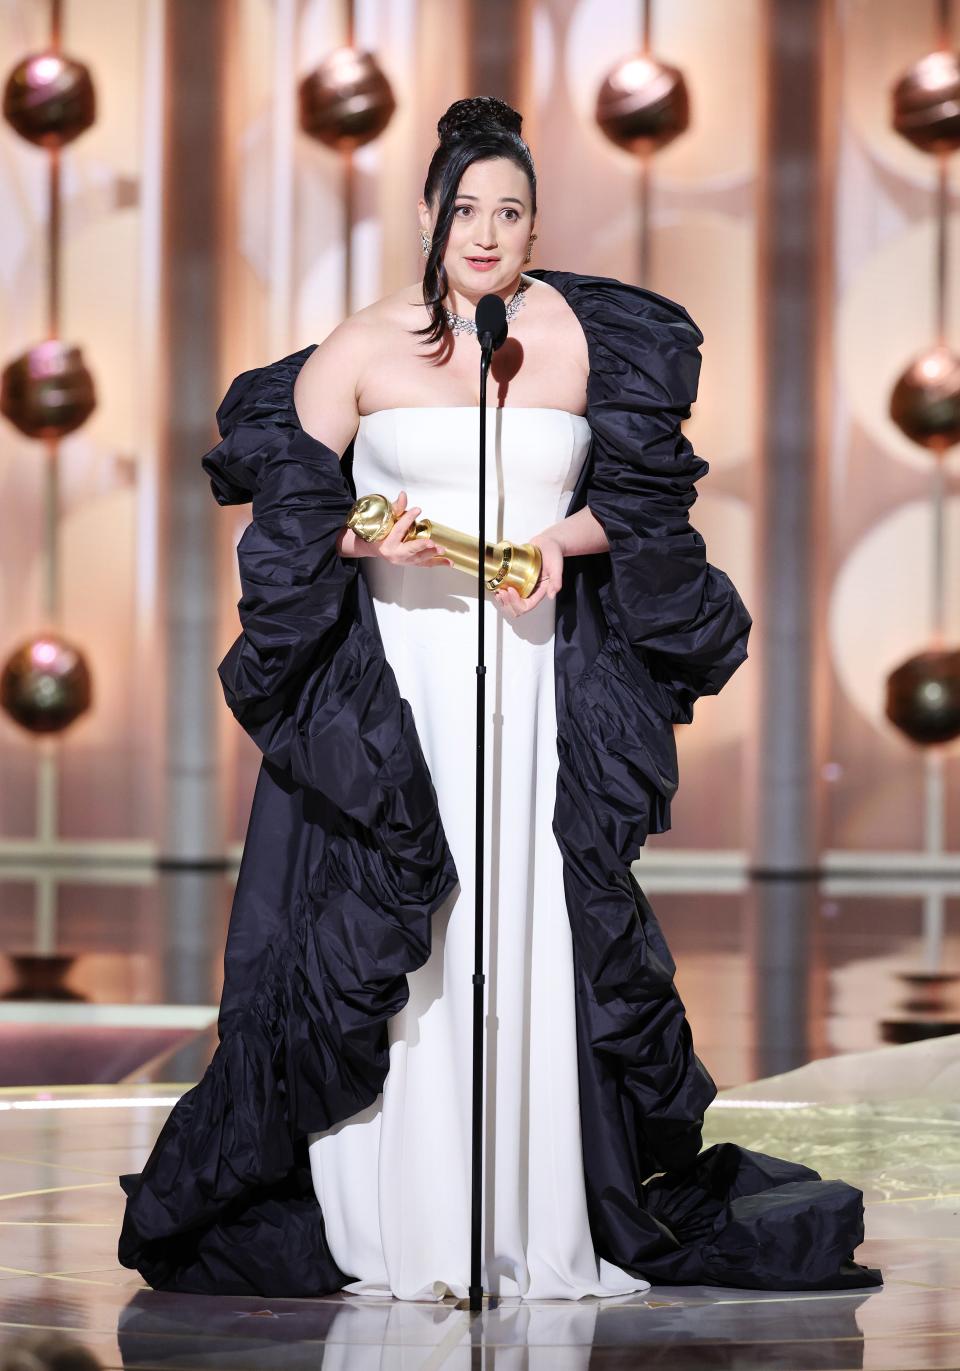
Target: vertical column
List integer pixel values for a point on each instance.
(194, 197)
(787, 744)
(495, 49)
(791, 248)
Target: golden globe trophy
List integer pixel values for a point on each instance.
(505, 563)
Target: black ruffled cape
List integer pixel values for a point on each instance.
(346, 860)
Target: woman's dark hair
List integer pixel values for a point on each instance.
(478, 127)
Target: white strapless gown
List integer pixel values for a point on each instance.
(394, 1180)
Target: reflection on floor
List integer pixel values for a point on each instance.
(84, 1044)
(773, 973)
(888, 1121)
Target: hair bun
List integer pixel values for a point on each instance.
(478, 114)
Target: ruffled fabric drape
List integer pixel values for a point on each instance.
(346, 859)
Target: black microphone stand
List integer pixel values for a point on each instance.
(476, 1279)
(491, 323)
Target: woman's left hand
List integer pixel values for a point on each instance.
(551, 578)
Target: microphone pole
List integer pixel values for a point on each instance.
(491, 321)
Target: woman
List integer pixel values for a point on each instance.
(328, 1145)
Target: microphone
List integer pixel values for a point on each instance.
(490, 317)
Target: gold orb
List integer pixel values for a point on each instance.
(925, 402)
(347, 101)
(47, 392)
(49, 99)
(643, 104)
(926, 103)
(923, 697)
(45, 684)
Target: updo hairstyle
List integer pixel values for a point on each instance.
(478, 127)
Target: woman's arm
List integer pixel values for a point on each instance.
(325, 401)
(578, 534)
(573, 536)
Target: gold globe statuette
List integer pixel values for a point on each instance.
(504, 563)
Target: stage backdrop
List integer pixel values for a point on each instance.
(281, 252)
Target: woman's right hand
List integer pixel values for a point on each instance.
(414, 552)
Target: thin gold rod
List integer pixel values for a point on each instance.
(944, 23)
(942, 266)
(349, 196)
(645, 272)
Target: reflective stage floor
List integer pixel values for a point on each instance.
(887, 1121)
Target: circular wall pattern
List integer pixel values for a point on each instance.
(881, 40)
(880, 607)
(885, 318)
(719, 147)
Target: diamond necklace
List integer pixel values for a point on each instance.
(458, 324)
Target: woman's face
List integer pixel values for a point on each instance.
(491, 219)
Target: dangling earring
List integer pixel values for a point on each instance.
(530, 247)
(425, 243)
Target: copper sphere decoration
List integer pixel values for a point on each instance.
(643, 104)
(45, 684)
(347, 101)
(49, 99)
(926, 103)
(923, 697)
(925, 403)
(47, 392)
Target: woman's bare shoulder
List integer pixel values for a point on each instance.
(326, 389)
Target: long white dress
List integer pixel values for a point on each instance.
(394, 1180)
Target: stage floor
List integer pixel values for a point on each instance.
(60, 1210)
